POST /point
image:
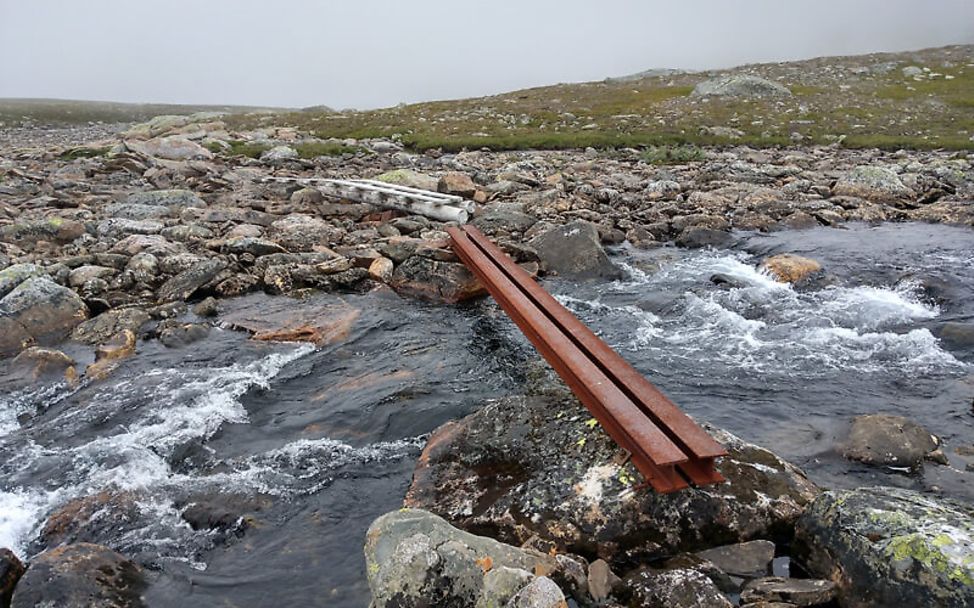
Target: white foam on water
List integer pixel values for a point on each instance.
(20, 511)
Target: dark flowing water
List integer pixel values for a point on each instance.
(324, 440)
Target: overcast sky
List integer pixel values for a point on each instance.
(369, 53)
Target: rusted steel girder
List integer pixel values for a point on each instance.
(669, 449)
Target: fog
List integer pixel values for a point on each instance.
(371, 53)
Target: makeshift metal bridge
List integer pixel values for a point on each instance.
(669, 449)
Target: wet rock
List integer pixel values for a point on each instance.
(11, 569)
(530, 467)
(790, 268)
(501, 584)
(177, 335)
(101, 328)
(887, 440)
(746, 560)
(109, 354)
(601, 580)
(12, 276)
(80, 576)
(740, 85)
(458, 184)
(875, 184)
(679, 588)
(169, 148)
(185, 284)
(795, 591)
(414, 558)
(95, 518)
(890, 547)
(52, 229)
(436, 281)
(321, 320)
(410, 178)
(574, 251)
(222, 512)
(956, 335)
(697, 237)
(209, 307)
(37, 362)
(39, 310)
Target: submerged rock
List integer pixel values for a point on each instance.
(890, 547)
(80, 576)
(414, 558)
(574, 251)
(532, 468)
(895, 441)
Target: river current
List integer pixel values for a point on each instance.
(315, 442)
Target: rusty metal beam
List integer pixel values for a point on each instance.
(667, 447)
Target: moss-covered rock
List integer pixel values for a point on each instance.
(890, 547)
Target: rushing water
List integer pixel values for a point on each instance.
(319, 441)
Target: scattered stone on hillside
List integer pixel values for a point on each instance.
(875, 184)
(679, 588)
(574, 251)
(12, 276)
(890, 547)
(11, 569)
(893, 441)
(458, 184)
(38, 310)
(740, 85)
(53, 229)
(790, 268)
(300, 232)
(414, 558)
(746, 560)
(529, 467)
(279, 153)
(80, 576)
(169, 148)
(172, 199)
(795, 591)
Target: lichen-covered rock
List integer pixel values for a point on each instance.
(80, 575)
(679, 588)
(890, 547)
(790, 268)
(169, 148)
(533, 467)
(542, 592)
(52, 229)
(298, 232)
(740, 85)
(409, 178)
(887, 440)
(40, 310)
(875, 184)
(172, 199)
(574, 251)
(414, 558)
(12, 276)
(436, 281)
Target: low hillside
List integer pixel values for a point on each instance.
(67, 112)
(922, 99)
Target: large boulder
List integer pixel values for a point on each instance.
(890, 547)
(436, 281)
(409, 178)
(38, 310)
(98, 329)
(574, 251)
(12, 276)
(740, 85)
(299, 232)
(875, 184)
(414, 558)
(11, 569)
(169, 148)
(539, 467)
(80, 576)
(677, 588)
(887, 440)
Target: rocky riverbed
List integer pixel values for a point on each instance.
(130, 252)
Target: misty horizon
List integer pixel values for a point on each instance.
(384, 53)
